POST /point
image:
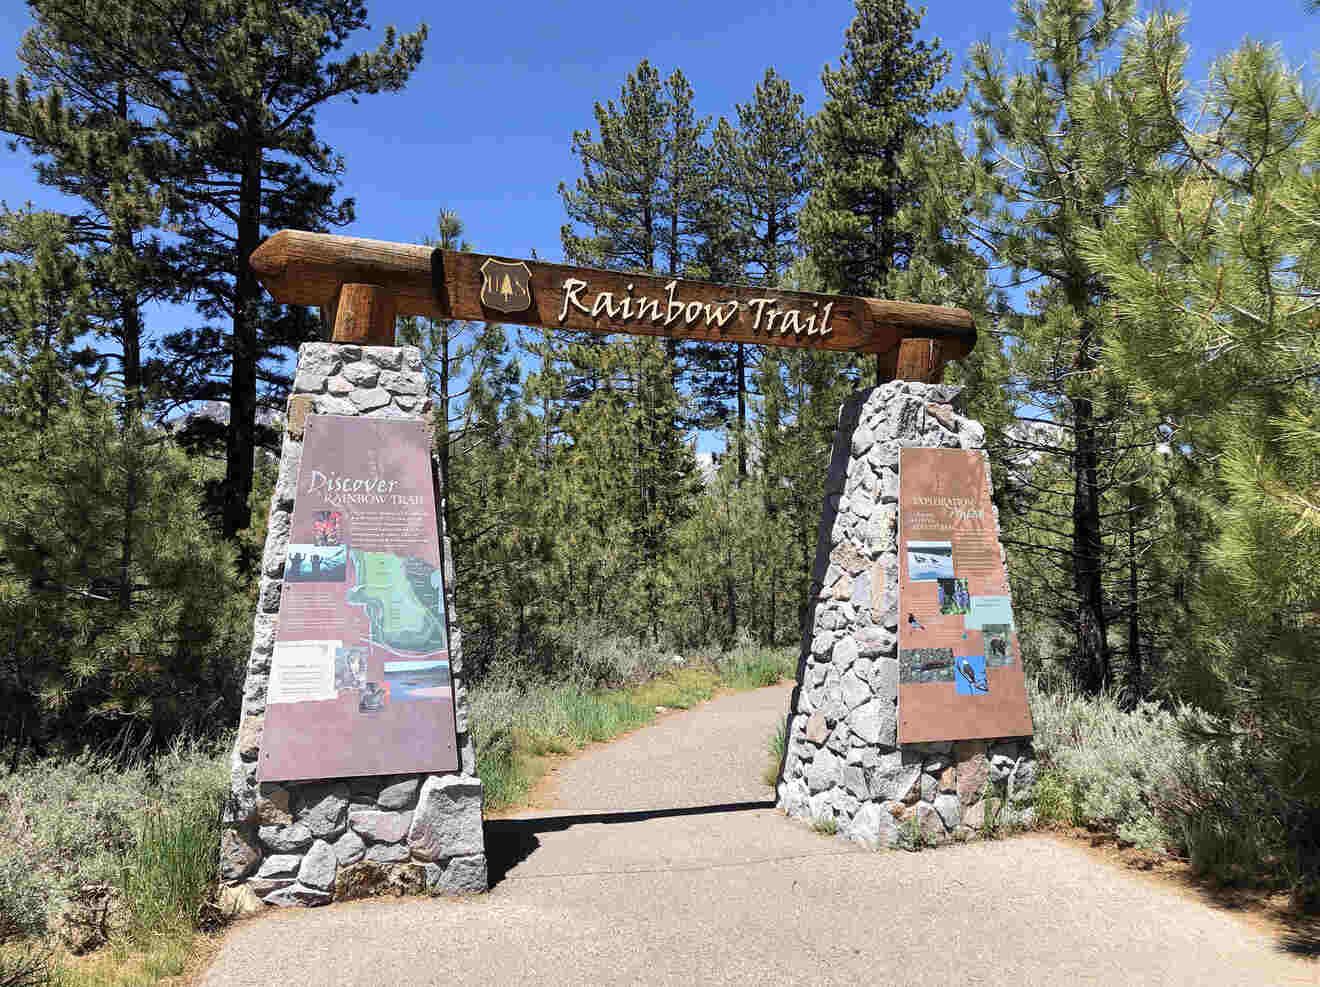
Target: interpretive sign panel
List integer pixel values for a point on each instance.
(960, 668)
(359, 680)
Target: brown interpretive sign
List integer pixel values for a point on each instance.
(960, 668)
(360, 680)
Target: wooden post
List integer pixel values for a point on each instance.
(364, 314)
(921, 360)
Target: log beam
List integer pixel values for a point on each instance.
(310, 269)
(364, 314)
(921, 360)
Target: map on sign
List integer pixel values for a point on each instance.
(402, 597)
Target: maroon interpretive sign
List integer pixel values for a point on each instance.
(960, 667)
(359, 680)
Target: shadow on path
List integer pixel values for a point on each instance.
(511, 841)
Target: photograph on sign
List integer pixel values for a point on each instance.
(925, 665)
(360, 681)
(999, 645)
(930, 559)
(960, 677)
(953, 595)
(314, 563)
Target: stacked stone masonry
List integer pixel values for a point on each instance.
(309, 843)
(843, 765)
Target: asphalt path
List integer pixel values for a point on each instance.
(658, 859)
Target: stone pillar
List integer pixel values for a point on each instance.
(842, 762)
(313, 842)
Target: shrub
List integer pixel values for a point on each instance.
(22, 905)
(66, 822)
(1107, 767)
(25, 965)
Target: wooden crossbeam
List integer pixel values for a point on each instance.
(360, 285)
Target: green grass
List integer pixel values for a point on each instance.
(825, 826)
(518, 723)
(149, 828)
(170, 871)
(778, 740)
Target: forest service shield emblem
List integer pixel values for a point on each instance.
(506, 286)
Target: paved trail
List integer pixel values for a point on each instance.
(658, 860)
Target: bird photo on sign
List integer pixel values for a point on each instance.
(506, 286)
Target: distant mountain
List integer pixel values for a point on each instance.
(218, 412)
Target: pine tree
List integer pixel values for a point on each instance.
(639, 198)
(232, 90)
(121, 608)
(1054, 179)
(761, 169)
(1214, 262)
(878, 100)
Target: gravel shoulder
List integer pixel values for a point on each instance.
(657, 859)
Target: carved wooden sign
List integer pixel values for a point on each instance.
(318, 269)
(608, 301)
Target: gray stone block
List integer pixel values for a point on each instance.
(349, 848)
(307, 382)
(330, 404)
(388, 357)
(319, 867)
(891, 781)
(458, 875)
(268, 597)
(447, 820)
(323, 809)
(854, 690)
(380, 826)
(262, 886)
(884, 678)
(854, 780)
(239, 853)
(874, 826)
(264, 629)
(406, 383)
(793, 795)
(401, 794)
(298, 894)
(949, 808)
(319, 358)
(824, 770)
(280, 865)
(286, 839)
(286, 483)
(277, 544)
(369, 398)
(386, 853)
(361, 374)
(875, 722)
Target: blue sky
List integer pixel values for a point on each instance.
(484, 127)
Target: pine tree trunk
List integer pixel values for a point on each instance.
(1093, 667)
(1134, 664)
(241, 445)
(130, 320)
(742, 414)
(442, 429)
